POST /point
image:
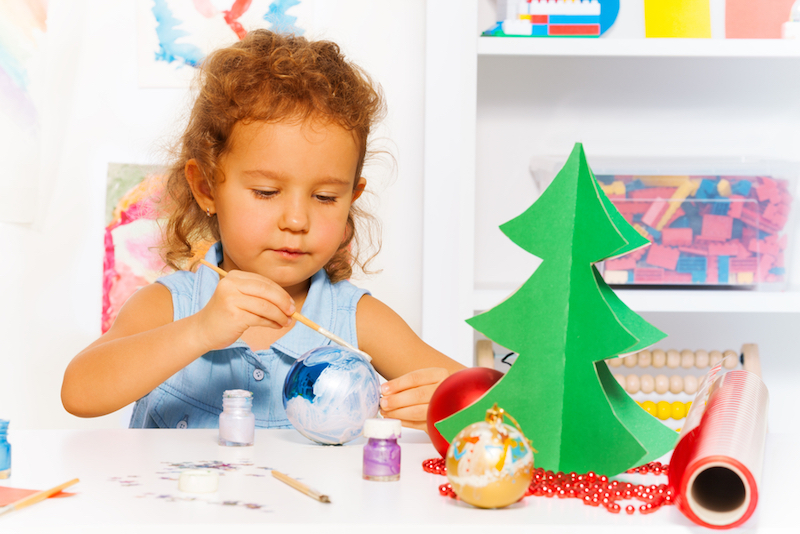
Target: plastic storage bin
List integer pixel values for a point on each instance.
(711, 223)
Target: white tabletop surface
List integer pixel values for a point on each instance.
(128, 483)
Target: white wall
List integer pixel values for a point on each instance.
(95, 113)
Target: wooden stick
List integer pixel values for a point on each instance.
(299, 486)
(36, 497)
(303, 319)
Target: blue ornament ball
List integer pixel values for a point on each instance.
(328, 394)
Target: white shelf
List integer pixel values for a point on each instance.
(480, 100)
(687, 300)
(686, 48)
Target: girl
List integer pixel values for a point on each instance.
(269, 168)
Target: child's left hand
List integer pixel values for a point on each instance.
(407, 397)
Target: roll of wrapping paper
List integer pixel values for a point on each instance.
(715, 468)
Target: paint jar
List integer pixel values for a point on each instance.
(237, 424)
(5, 450)
(382, 453)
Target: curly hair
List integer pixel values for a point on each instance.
(267, 77)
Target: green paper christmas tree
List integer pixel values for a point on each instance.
(562, 323)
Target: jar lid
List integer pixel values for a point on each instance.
(236, 393)
(382, 428)
(198, 480)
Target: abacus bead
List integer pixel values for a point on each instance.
(689, 384)
(676, 384)
(632, 384)
(647, 383)
(732, 359)
(688, 406)
(659, 358)
(650, 407)
(687, 359)
(678, 410)
(630, 360)
(645, 358)
(614, 362)
(701, 359)
(621, 380)
(664, 410)
(714, 357)
(673, 359)
(662, 384)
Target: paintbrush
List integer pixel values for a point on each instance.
(299, 486)
(305, 320)
(36, 497)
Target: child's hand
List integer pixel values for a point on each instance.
(407, 397)
(240, 301)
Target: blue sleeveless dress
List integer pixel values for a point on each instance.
(192, 397)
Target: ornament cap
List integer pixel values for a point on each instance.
(495, 414)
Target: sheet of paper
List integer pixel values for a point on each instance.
(11, 495)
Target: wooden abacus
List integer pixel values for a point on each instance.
(658, 358)
(661, 384)
(685, 359)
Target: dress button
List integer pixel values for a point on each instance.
(182, 424)
(258, 374)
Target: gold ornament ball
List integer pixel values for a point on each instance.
(490, 464)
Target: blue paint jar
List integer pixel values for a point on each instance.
(5, 450)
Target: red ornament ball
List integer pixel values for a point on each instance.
(455, 393)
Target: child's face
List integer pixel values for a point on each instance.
(282, 207)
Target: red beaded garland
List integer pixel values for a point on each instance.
(592, 489)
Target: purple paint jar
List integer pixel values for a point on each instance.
(382, 453)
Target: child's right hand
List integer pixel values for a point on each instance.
(242, 300)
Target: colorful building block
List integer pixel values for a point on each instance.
(706, 189)
(623, 263)
(683, 191)
(706, 230)
(654, 212)
(635, 185)
(615, 277)
(696, 249)
(727, 248)
(674, 237)
(712, 270)
(689, 264)
(742, 187)
(742, 265)
(673, 277)
(653, 192)
(553, 18)
(716, 228)
(720, 207)
(722, 269)
(735, 208)
(724, 188)
(661, 256)
(616, 188)
(648, 275)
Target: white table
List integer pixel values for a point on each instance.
(121, 487)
